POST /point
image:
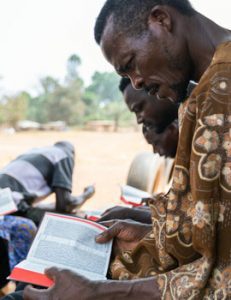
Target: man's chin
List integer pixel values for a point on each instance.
(159, 151)
(149, 137)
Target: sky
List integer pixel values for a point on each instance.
(38, 36)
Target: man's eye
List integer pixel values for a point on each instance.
(152, 90)
(129, 65)
(137, 108)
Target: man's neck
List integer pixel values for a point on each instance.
(203, 38)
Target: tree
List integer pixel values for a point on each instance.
(14, 108)
(73, 64)
(105, 86)
(49, 84)
(37, 108)
(59, 102)
(67, 100)
(104, 100)
(66, 104)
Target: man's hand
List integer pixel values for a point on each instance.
(68, 286)
(127, 234)
(122, 213)
(66, 203)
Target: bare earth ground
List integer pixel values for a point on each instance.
(102, 158)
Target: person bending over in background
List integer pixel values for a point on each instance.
(39, 172)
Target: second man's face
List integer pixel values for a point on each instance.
(150, 112)
(156, 117)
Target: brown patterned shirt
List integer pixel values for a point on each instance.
(188, 251)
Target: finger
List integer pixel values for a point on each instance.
(111, 209)
(104, 218)
(52, 273)
(31, 293)
(108, 234)
(109, 223)
(107, 211)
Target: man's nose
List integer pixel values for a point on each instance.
(137, 82)
(139, 118)
(162, 93)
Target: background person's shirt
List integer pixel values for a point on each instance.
(36, 173)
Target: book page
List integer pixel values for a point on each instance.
(69, 243)
(7, 204)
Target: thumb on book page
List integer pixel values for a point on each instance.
(108, 234)
(52, 273)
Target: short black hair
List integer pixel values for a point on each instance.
(131, 15)
(124, 82)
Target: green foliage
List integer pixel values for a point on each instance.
(69, 101)
(14, 108)
(104, 100)
(66, 104)
(73, 63)
(37, 108)
(105, 86)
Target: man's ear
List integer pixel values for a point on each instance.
(161, 16)
(173, 127)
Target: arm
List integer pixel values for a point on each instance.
(63, 199)
(67, 203)
(62, 204)
(76, 287)
(122, 213)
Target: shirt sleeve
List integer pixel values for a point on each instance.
(63, 171)
(209, 177)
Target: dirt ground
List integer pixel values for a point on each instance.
(102, 158)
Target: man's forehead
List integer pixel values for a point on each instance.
(133, 96)
(113, 43)
(108, 32)
(129, 94)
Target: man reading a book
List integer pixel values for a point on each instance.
(160, 129)
(161, 45)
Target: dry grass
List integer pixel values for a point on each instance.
(102, 158)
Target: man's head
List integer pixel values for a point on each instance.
(67, 147)
(164, 143)
(146, 41)
(155, 116)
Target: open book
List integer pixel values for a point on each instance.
(133, 196)
(65, 242)
(7, 204)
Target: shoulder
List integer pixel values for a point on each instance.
(213, 92)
